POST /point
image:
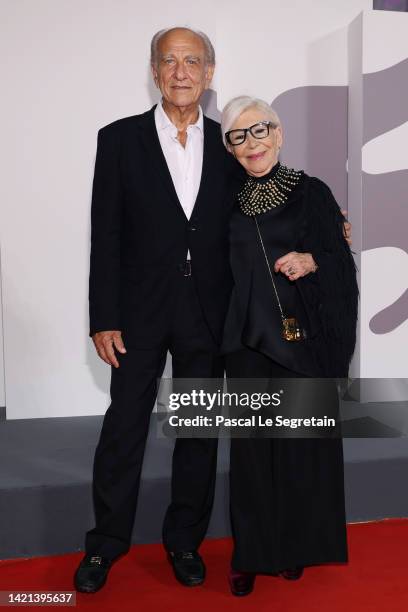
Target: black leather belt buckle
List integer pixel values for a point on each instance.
(187, 268)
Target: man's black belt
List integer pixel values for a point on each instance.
(185, 267)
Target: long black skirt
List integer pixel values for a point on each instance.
(286, 495)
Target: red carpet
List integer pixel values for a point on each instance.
(375, 580)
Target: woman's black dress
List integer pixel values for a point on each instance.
(287, 495)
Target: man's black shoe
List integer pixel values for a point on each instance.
(188, 567)
(292, 574)
(92, 573)
(241, 583)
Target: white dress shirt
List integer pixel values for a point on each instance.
(185, 163)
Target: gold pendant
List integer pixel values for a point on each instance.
(291, 330)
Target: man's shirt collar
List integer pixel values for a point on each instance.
(163, 121)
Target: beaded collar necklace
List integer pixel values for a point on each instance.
(258, 197)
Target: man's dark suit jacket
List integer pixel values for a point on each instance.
(140, 234)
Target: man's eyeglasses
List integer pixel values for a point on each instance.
(258, 130)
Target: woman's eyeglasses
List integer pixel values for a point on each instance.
(258, 130)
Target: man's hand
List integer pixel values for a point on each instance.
(294, 265)
(104, 342)
(346, 228)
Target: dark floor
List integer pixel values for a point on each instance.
(46, 466)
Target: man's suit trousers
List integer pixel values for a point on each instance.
(119, 454)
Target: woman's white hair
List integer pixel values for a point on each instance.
(237, 106)
(154, 45)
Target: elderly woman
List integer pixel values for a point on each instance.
(292, 314)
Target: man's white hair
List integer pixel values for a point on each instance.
(154, 45)
(237, 106)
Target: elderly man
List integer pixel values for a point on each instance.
(159, 281)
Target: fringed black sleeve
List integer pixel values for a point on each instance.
(334, 285)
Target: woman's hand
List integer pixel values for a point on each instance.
(295, 265)
(347, 228)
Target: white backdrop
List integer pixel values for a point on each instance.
(384, 270)
(70, 68)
